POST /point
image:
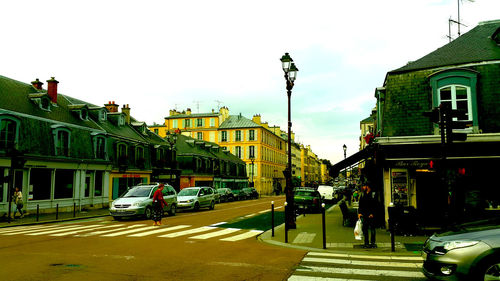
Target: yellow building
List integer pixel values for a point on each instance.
(311, 167)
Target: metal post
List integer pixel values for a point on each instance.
(286, 225)
(74, 209)
(57, 211)
(324, 225)
(391, 226)
(272, 218)
(37, 212)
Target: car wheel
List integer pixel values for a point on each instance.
(148, 213)
(116, 218)
(212, 205)
(491, 271)
(196, 206)
(173, 210)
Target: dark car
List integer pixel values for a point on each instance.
(471, 252)
(239, 194)
(307, 199)
(225, 194)
(250, 193)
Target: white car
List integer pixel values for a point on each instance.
(326, 191)
(194, 198)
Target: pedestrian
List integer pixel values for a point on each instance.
(17, 199)
(355, 196)
(158, 204)
(366, 212)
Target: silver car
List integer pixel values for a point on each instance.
(194, 198)
(469, 253)
(138, 201)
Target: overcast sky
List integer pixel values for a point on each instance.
(162, 55)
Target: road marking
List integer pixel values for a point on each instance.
(159, 230)
(129, 231)
(246, 235)
(216, 233)
(265, 211)
(408, 258)
(251, 215)
(108, 231)
(278, 207)
(87, 229)
(25, 228)
(356, 271)
(62, 229)
(304, 237)
(366, 263)
(219, 223)
(187, 232)
(315, 278)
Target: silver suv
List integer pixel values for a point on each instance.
(138, 201)
(194, 198)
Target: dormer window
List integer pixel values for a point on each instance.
(103, 116)
(62, 140)
(45, 103)
(84, 114)
(41, 99)
(121, 120)
(100, 146)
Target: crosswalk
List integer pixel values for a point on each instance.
(323, 266)
(133, 231)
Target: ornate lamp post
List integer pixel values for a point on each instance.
(252, 159)
(290, 74)
(345, 170)
(172, 140)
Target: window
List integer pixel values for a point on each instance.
(251, 151)
(156, 131)
(139, 157)
(238, 136)
(187, 123)
(84, 114)
(199, 122)
(45, 103)
(199, 135)
(41, 180)
(121, 152)
(251, 135)
(62, 139)
(121, 120)
(238, 151)
(98, 183)
(175, 124)
(212, 122)
(457, 87)
(102, 115)
(63, 187)
(8, 132)
(224, 136)
(88, 181)
(100, 147)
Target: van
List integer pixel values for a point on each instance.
(326, 192)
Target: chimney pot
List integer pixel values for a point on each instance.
(52, 89)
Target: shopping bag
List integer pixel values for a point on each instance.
(358, 230)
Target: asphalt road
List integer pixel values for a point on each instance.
(95, 249)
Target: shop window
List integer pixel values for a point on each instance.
(88, 184)
(399, 184)
(9, 132)
(40, 184)
(63, 186)
(98, 183)
(2, 184)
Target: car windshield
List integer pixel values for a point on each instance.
(304, 193)
(221, 191)
(141, 191)
(188, 192)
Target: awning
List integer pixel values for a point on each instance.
(351, 160)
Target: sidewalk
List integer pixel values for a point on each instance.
(309, 236)
(31, 218)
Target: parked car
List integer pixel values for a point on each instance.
(471, 252)
(251, 193)
(216, 195)
(327, 192)
(225, 194)
(194, 198)
(307, 199)
(138, 201)
(239, 194)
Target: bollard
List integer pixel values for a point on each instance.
(74, 209)
(57, 211)
(272, 218)
(324, 225)
(286, 225)
(391, 211)
(37, 212)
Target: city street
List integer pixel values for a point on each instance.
(189, 246)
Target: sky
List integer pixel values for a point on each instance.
(199, 54)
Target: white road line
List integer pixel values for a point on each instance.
(251, 215)
(366, 263)
(407, 258)
(83, 230)
(246, 235)
(36, 230)
(62, 229)
(24, 228)
(304, 237)
(278, 207)
(129, 231)
(215, 234)
(187, 232)
(219, 223)
(108, 231)
(315, 278)
(265, 211)
(159, 230)
(372, 272)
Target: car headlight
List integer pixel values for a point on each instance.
(448, 246)
(137, 204)
(190, 201)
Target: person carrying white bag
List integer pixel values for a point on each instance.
(358, 230)
(366, 213)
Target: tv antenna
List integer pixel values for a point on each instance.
(218, 104)
(197, 106)
(450, 21)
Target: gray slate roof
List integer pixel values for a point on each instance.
(475, 46)
(238, 121)
(193, 115)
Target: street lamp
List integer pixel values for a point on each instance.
(345, 170)
(290, 74)
(172, 140)
(252, 159)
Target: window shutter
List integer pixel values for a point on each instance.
(203, 122)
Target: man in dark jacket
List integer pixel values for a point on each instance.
(366, 212)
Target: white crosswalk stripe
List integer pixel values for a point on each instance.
(135, 230)
(324, 266)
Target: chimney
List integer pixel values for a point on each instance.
(37, 84)
(52, 89)
(111, 106)
(126, 111)
(256, 119)
(188, 111)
